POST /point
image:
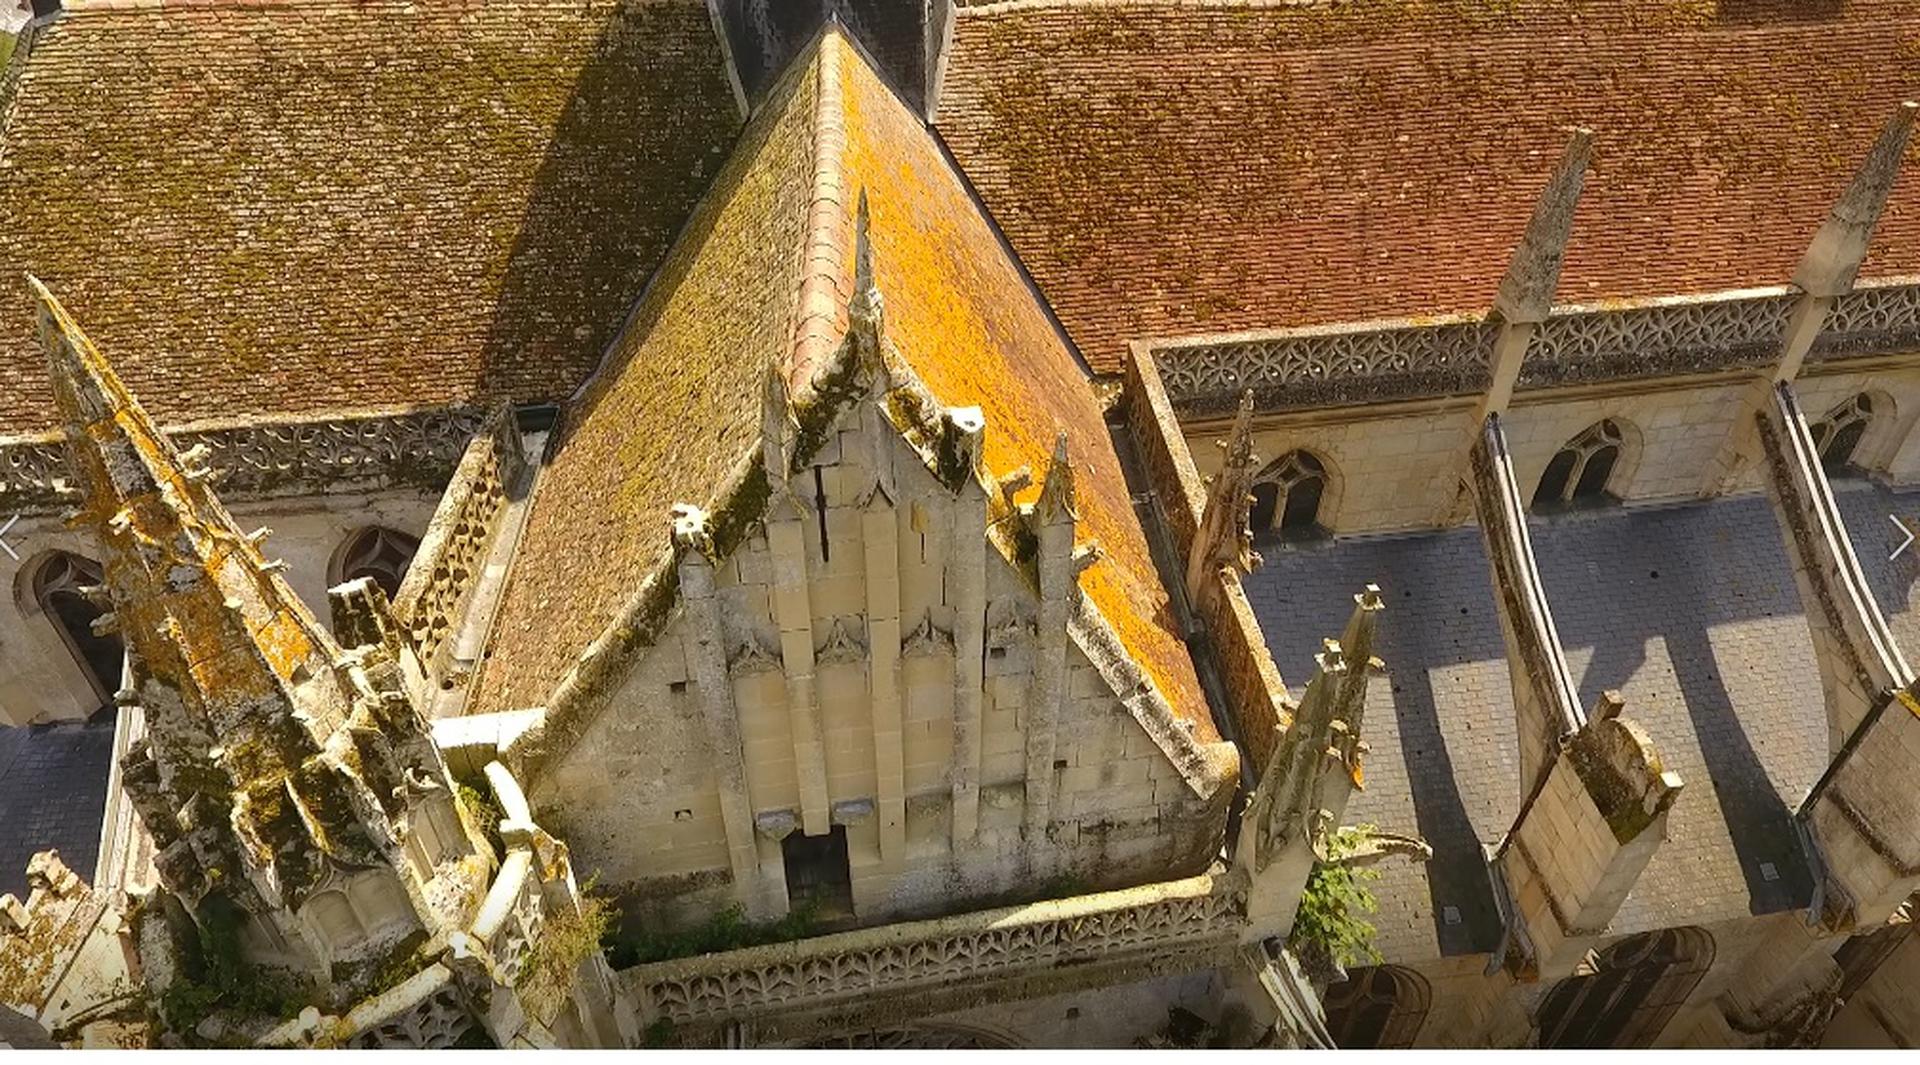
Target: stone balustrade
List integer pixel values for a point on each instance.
(453, 552)
(1203, 914)
(1581, 344)
(427, 1011)
(264, 458)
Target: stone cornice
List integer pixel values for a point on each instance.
(1411, 359)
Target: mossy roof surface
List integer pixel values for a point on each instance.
(764, 273)
(311, 205)
(674, 408)
(959, 311)
(1174, 168)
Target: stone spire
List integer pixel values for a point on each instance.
(1834, 257)
(194, 597)
(1225, 538)
(276, 763)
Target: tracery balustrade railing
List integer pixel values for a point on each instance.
(1399, 359)
(971, 949)
(272, 457)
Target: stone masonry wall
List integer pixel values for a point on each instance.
(637, 797)
(1393, 469)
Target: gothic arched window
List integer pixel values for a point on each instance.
(376, 552)
(1287, 494)
(1630, 992)
(1837, 436)
(1581, 471)
(56, 588)
(1377, 1008)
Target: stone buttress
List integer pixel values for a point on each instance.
(290, 786)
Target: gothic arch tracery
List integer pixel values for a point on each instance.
(53, 586)
(1632, 991)
(373, 551)
(1849, 436)
(1380, 1007)
(1591, 469)
(1291, 496)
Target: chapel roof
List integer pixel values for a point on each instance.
(303, 206)
(763, 276)
(1172, 168)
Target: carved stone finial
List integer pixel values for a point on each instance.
(1086, 555)
(1013, 484)
(1610, 706)
(962, 431)
(1056, 503)
(1351, 701)
(46, 872)
(1834, 257)
(691, 529)
(1526, 293)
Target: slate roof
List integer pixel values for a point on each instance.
(1173, 167)
(296, 206)
(1689, 611)
(53, 794)
(678, 402)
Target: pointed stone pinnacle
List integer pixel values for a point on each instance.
(776, 424)
(862, 248)
(1834, 256)
(1526, 293)
(1056, 503)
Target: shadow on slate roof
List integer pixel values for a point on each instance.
(53, 794)
(1690, 611)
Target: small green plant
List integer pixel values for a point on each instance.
(727, 930)
(658, 1035)
(218, 977)
(1330, 922)
(566, 940)
(483, 810)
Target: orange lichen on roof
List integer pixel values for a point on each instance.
(1172, 168)
(318, 205)
(675, 406)
(763, 277)
(962, 316)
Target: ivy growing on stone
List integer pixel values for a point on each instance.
(1331, 928)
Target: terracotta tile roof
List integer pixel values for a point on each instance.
(1168, 169)
(304, 205)
(764, 272)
